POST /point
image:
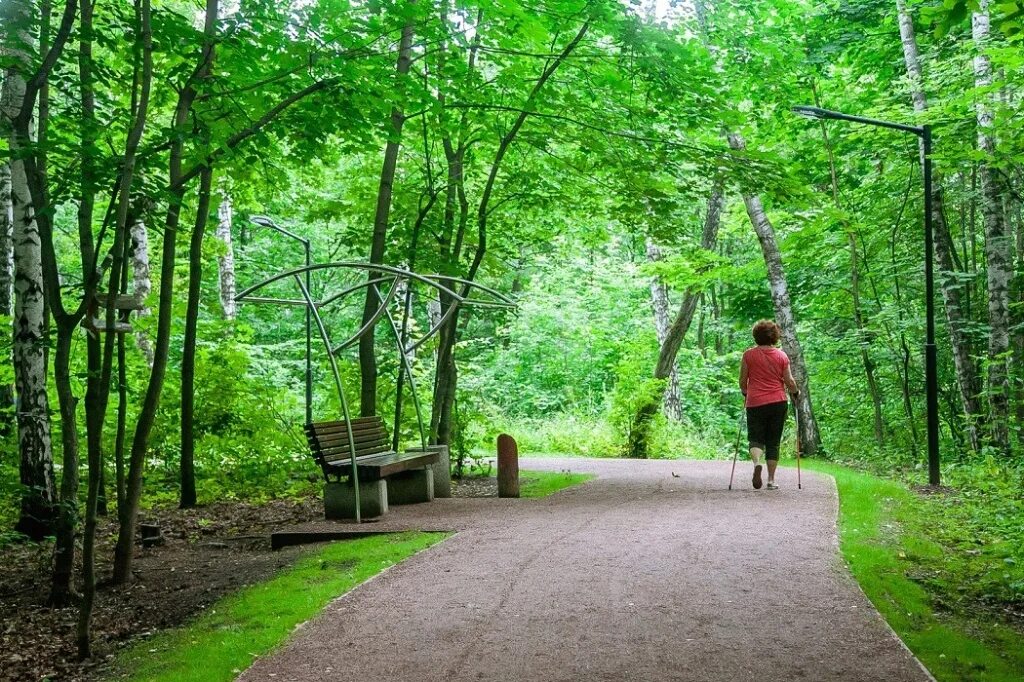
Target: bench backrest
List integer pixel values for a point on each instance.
(329, 443)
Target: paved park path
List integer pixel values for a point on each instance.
(636, 575)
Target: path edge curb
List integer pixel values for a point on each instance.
(895, 635)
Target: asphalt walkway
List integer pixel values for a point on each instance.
(636, 575)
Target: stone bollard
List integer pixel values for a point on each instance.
(508, 466)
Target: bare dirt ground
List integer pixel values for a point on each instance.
(637, 575)
(207, 552)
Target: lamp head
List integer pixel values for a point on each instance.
(812, 112)
(262, 221)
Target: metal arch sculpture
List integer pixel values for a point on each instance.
(378, 275)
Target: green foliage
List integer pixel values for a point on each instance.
(560, 434)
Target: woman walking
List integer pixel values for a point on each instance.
(764, 378)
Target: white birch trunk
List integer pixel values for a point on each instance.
(226, 262)
(966, 372)
(672, 404)
(6, 288)
(142, 283)
(998, 246)
(1019, 335)
(6, 241)
(810, 436)
(29, 343)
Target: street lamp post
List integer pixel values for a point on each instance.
(264, 221)
(923, 132)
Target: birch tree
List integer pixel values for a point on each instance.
(142, 281)
(7, 407)
(998, 240)
(226, 260)
(966, 370)
(672, 402)
(784, 317)
(665, 368)
(30, 328)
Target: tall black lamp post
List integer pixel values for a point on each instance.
(264, 221)
(930, 370)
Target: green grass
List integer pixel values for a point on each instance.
(227, 638)
(543, 483)
(886, 536)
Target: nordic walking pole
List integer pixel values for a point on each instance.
(796, 416)
(736, 450)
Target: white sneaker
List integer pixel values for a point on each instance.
(771, 486)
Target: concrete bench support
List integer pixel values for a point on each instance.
(442, 469)
(340, 500)
(410, 487)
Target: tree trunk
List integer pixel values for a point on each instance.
(451, 240)
(124, 550)
(29, 341)
(123, 553)
(809, 435)
(998, 243)
(716, 316)
(98, 379)
(7, 408)
(62, 590)
(672, 402)
(367, 358)
(188, 358)
(29, 171)
(226, 261)
(142, 283)
(29, 349)
(1019, 336)
(446, 384)
(637, 439)
(966, 372)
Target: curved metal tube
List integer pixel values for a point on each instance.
(341, 392)
(475, 285)
(436, 328)
(369, 323)
(276, 301)
(480, 303)
(348, 265)
(356, 287)
(408, 372)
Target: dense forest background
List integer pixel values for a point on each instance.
(630, 173)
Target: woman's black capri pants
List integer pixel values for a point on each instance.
(764, 427)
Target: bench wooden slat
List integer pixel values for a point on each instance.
(345, 454)
(356, 423)
(334, 431)
(334, 440)
(383, 465)
(357, 420)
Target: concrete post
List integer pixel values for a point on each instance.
(508, 466)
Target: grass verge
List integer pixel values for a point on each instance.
(228, 637)
(543, 483)
(886, 535)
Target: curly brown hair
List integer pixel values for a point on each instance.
(766, 333)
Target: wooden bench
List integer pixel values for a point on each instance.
(385, 476)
